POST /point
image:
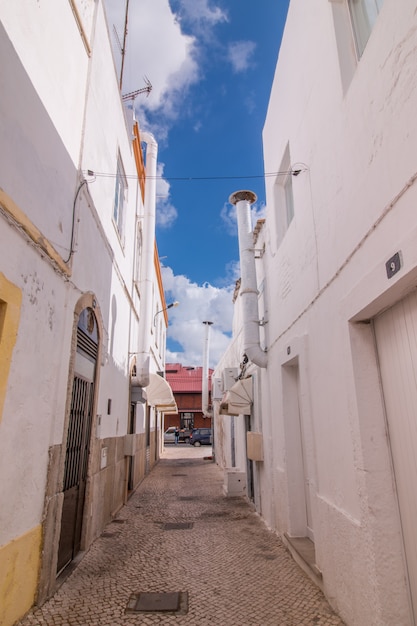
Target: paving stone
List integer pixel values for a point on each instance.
(236, 572)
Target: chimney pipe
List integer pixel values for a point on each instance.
(204, 380)
(248, 287)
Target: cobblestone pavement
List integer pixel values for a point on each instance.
(229, 568)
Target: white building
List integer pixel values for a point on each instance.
(80, 295)
(336, 270)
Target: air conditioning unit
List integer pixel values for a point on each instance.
(230, 375)
(217, 389)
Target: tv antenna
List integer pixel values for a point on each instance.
(132, 95)
(123, 50)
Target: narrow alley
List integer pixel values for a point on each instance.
(195, 556)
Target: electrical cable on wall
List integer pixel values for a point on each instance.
(293, 172)
(71, 252)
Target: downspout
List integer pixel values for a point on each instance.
(147, 269)
(204, 380)
(248, 287)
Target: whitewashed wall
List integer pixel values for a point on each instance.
(351, 133)
(350, 128)
(61, 115)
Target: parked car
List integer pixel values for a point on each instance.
(169, 435)
(201, 436)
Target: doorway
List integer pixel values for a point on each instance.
(131, 459)
(301, 522)
(396, 342)
(249, 464)
(78, 438)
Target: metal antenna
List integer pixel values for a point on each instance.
(124, 43)
(132, 95)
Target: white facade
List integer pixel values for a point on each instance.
(72, 309)
(337, 272)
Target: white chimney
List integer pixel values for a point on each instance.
(248, 287)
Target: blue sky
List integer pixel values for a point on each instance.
(211, 65)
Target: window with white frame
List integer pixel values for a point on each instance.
(120, 198)
(284, 198)
(364, 14)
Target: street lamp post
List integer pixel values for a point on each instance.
(166, 308)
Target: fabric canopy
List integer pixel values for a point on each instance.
(159, 394)
(239, 397)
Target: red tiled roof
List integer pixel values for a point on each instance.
(185, 379)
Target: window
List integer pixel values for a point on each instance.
(120, 195)
(284, 197)
(364, 14)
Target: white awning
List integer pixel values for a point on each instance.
(239, 398)
(159, 394)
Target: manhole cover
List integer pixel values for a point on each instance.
(161, 602)
(178, 525)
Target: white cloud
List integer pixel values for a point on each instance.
(198, 303)
(201, 11)
(158, 50)
(228, 216)
(240, 55)
(232, 272)
(166, 213)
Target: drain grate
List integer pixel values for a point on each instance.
(179, 474)
(107, 535)
(119, 521)
(178, 526)
(158, 602)
(189, 498)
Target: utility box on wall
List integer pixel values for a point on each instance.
(254, 446)
(234, 483)
(129, 445)
(216, 388)
(230, 375)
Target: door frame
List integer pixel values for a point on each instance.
(54, 497)
(301, 467)
(400, 317)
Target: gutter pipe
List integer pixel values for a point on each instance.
(148, 250)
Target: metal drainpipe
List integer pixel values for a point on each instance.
(248, 288)
(204, 382)
(147, 271)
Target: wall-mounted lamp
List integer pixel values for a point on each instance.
(166, 308)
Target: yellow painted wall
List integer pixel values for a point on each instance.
(19, 569)
(10, 301)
